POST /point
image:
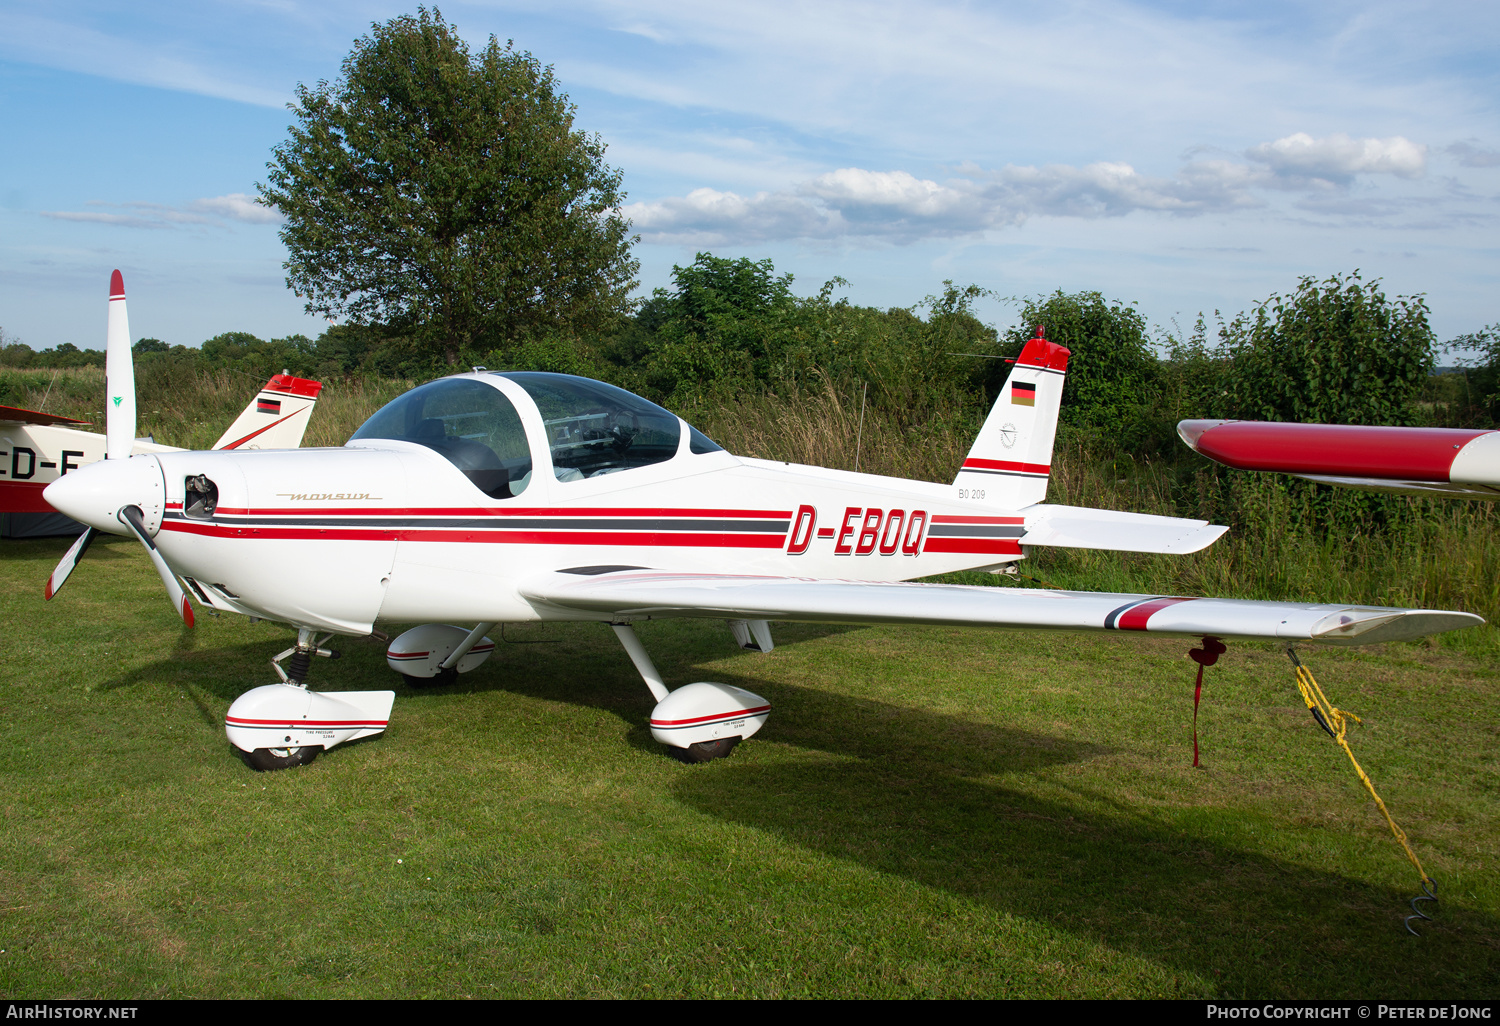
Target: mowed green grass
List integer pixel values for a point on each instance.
(929, 812)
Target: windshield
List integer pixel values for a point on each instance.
(470, 423)
(595, 429)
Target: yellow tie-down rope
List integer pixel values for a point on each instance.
(1336, 722)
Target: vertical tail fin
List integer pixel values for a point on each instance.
(1012, 458)
(276, 418)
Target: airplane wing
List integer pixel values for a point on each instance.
(16, 415)
(631, 593)
(1430, 462)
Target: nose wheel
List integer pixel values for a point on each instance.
(267, 759)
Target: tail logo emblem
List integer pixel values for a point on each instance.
(118, 399)
(1008, 435)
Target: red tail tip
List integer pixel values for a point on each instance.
(116, 285)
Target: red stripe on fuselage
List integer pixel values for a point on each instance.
(508, 511)
(24, 497)
(984, 546)
(497, 536)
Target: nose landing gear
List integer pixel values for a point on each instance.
(279, 726)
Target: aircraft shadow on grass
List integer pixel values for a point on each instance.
(1254, 924)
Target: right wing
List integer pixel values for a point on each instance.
(627, 593)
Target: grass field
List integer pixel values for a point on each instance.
(929, 812)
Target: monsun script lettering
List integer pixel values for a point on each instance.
(326, 496)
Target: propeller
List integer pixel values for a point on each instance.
(133, 518)
(119, 439)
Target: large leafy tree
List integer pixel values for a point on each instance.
(449, 192)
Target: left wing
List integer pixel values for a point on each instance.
(16, 415)
(629, 593)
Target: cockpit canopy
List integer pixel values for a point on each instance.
(590, 428)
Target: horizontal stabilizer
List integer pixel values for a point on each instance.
(1077, 527)
(648, 594)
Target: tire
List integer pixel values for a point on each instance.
(705, 751)
(441, 679)
(267, 759)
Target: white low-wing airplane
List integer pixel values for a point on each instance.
(38, 448)
(1460, 463)
(491, 498)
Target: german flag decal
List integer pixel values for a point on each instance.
(264, 405)
(1022, 394)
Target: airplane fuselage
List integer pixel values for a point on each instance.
(391, 531)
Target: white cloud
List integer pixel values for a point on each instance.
(1338, 158)
(212, 212)
(239, 206)
(899, 207)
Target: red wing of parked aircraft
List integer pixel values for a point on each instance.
(1456, 462)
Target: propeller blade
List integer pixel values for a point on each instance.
(119, 377)
(67, 563)
(133, 518)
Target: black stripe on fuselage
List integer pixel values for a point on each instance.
(975, 531)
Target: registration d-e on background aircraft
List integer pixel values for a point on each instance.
(488, 498)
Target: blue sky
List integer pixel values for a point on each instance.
(1186, 156)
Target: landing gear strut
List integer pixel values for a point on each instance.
(279, 726)
(697, 722)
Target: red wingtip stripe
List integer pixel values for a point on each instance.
(187, 612)
(47, 592)
(116, 285)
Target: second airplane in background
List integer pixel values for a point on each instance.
(38, 448)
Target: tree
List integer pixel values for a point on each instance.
(1334, 352)
(449, 193)
(1112, 369)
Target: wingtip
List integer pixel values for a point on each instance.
(1192, 430)
(187, 612)
(116, 285)
(47, 591)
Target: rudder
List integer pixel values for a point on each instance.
(1011, 460)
